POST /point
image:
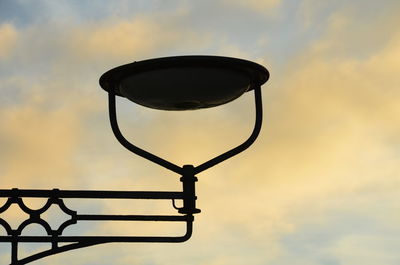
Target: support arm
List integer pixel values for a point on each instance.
(117, 132)
(210, 163)
(245, 144)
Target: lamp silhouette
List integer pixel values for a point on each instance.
(174, 84)
(185, 83)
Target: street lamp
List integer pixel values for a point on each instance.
(185, 83)
(172, 83)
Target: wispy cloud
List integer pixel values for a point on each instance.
(8, 39)
(38, 146)
(259, 6)
(326, 159)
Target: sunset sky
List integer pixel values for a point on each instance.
(320, 186)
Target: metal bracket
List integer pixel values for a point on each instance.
(171, 166)
(55, 237)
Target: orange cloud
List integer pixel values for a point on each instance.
(330, 138)
(262, 6)
(38, 147)
(134, 38)
(8, 40)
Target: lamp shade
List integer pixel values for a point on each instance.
(184, 82)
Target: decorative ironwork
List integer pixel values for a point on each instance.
(56, 197)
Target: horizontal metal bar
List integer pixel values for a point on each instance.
(87, 239)
(92, 194)
(166, 218)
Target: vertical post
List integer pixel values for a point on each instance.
(14, 251)
(188, 180)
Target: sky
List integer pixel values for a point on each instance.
(320, 186)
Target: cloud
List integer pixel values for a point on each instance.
(367, 249)
(8, 40)
(38, 146)
(262, 6)
(328, 148)
(133, 38)
(119, 39)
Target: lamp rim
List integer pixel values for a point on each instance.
(111, 79)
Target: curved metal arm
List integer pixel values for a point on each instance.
(92, 242)
(114, 125)
(173, 167)
(245, 144)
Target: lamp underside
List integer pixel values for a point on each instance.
(184, 82)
